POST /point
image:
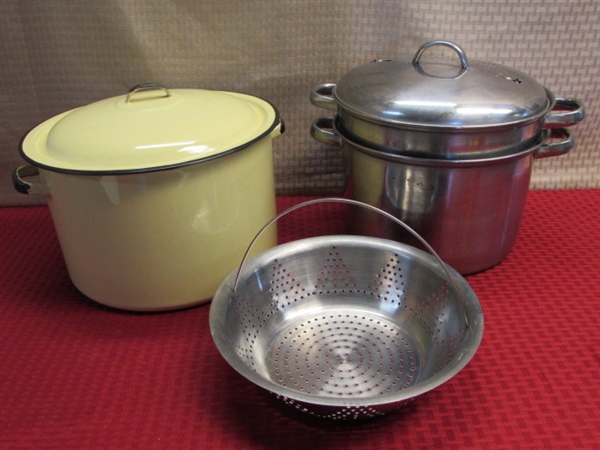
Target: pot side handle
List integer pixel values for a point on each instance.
(322, 97)
(320, 130)
(566, 112)
(559, 147)
(25, 187)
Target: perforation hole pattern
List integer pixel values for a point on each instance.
(345, 355)
(347, 351)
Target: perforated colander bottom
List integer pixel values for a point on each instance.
(344, 354)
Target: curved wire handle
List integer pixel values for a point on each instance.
(459, 51)
(366, 206)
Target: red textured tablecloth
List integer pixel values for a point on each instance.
(76, 375)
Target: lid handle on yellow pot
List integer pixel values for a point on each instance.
(136, 90)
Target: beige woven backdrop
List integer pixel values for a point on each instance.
(60, 54)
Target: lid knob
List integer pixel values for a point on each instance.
(139, 88)
(461, 54)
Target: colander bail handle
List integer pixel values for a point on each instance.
(363, 205)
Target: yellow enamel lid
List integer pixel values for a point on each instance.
(150, 128)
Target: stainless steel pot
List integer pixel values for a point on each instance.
(447, 146)
(468, 210)
(440, 109)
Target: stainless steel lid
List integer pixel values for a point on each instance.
(441, 94)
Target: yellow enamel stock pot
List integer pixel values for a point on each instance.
(156, 194)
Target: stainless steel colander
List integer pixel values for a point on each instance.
(346, 327)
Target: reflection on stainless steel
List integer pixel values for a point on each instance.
(469, 213)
